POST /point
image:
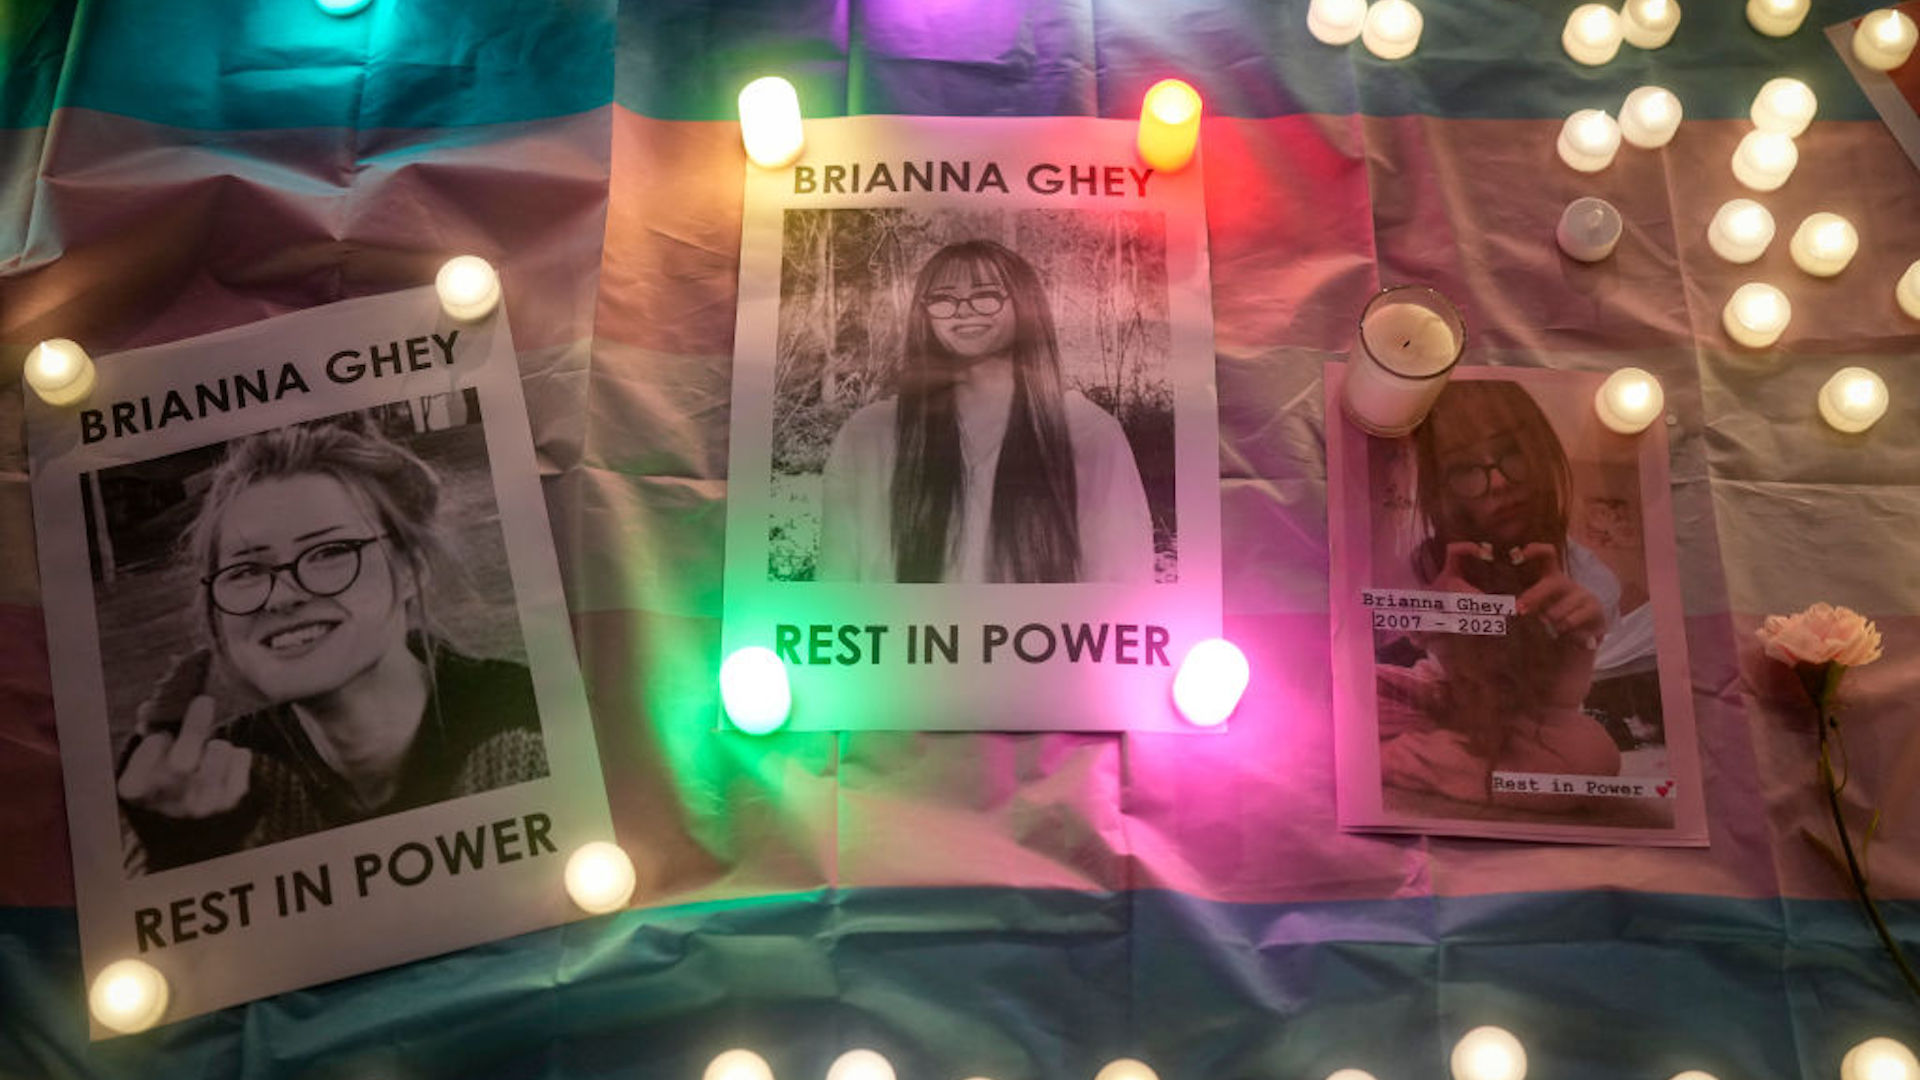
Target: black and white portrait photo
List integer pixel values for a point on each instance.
(973, 397)
(306, 627)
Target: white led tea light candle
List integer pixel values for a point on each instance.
(1756, 315)
(1350, 1074)
(1777, 18)
(1784, 105)
(1884, 39)
(1764, 160)
(770, 127)
(1907, 290)
(1392, 29)
(1649, 117)
(1880, 1058)
(1410, 338)
(1126, 1069)
(1169, 125)
(1336, 22)
(860, 1065)
(60, 371)
(1649, 24)
(1593, 34)
(1741, 231)
(1589, 229)
(1211, 679)
(340, 9)
(1629, 400)
(599, 877)
(754, 690)
(469, 288)
(1693, 1074)
(1824, 244)
(1489, 1053)
(738, 1064)
(1589, 140)
(128, 996)
(1853, 400)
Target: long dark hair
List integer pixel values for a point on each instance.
(1034, 529)
(1493, 405)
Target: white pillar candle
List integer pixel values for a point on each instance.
(1593, 34)
(1629, 400)
(1589, 229)
(1336, 22)
(1741, 231)
(1777, 18)
(1588, 140)
(1392, 29)
(1410, 338)
(1784, 105)
(1764, 160)
(1488, 1053)
(469, 288)
(1884, 39)
(1649, 24)
(1880, 1058)
(1907, 290)
(60, 371)
(1852, 400)
(770, 127)
(1756, 315)
(1824, 244)
(1649, 117)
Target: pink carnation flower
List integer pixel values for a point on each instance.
(1821, 634)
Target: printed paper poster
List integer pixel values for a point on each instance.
(973, 481)
(318, 704)
(1509, 652)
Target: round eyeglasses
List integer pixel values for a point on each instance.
(328, 568)
(1472, 481)
(946, 307)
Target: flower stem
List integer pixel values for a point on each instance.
(1854, 872)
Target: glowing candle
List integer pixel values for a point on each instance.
(1777, 18)
(1764, 160)
(754, 690)
(1629, 400)
(1649, 24)
(1588, 230)
(1350, 1074)
(1824, 244)
(1410, 338)
(738, 1065)
(1884, 39)
(1336, 22)
(1784, 105)
(1392, 29)
(341, 8)
(1169, 125)
(1126, 1069)
(1741, 231)
(1756, 315)
(1693, 1074)
(1593, 34)
(599, 877)
(1588, 140)
(60, 371)
(1489, 1053)
(1853, 399)
(860, 1065)
(770, 127)
(1879, 1058)
(1649, 117)
(128, 996)
(469, 288)
(1907, 290)
(1210, 681)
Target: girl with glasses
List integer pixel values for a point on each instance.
(1493, 491)
(983, 467)
(326, 693)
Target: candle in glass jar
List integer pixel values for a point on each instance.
(1410, 338)
(1777, 18)
(1629, 400)
(1588, 140)
(1907, 291)
(1784, 105)
(1824, 244)
(1756, 315)
(1649, 117)
(1884, 39)
(1853, 399)
(1392, 29)
(1649, 24)
(1764, 160)
(1336, 22)
(1741, 231)
(1592, 35)
(1589, 229)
